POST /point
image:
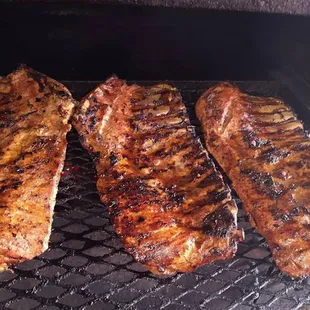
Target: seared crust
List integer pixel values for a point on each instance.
(34, 113)
(265, 151)
(168, 203)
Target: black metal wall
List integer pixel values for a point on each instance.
(89, 42)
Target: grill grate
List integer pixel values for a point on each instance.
(86, 266)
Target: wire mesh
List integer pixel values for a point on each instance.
(86, 266)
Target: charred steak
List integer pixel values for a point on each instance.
(265, 151)
(168, 203)
(34, 113)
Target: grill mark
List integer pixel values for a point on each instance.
(291, 145)
(264, 183)
(284, 135)
(213, 197)
(274, 124)
(301, 147)
(24, 116)
(200, 155)
(207, 163)
(302, 184)
(5, 102)
(39, 144)
(279, 215)
(273, 155)
(306, 185)
(279, 124)
(177, 197)
(185, 180)
(22, 156)
(297, 164)
(9, 123)
(158, 136)
(150, 118)
(152, 129)
(276, 111)
(174, 149)
(159, 126)
(202, 168)
(134, 185)
(6, 112)
(211, 179)
(253, 140)
(179, 149)
(196, 148)
(13, 185)
(153, 105)
(266, 101)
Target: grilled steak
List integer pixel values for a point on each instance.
(167, 202)
(265, 151)
(34, 113)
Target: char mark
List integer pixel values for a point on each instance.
(273, 155)
(13, 185)
(301, 147)
(252, 140)
(211, 179)
(279, 215)
(306, 185)
(219, 223)
(177, 198)
(265, 184)
(113, 159)
(140, 219)
(212, 198)
(9, 123)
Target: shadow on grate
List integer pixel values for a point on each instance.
(87, 268)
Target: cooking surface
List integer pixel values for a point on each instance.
(87, 268)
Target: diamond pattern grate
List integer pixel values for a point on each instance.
(86, 266)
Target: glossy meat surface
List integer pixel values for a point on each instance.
(34, 113)
(167, 202)
(265, 151)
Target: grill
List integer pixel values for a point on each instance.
(86, 266)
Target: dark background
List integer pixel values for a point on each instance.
(89, 42)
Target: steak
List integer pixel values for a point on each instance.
(265, 151)
(34, 114)
(168, 203)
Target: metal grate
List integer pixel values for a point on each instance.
(86, 266)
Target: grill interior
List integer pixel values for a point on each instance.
(86, 266)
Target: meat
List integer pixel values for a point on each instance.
(265, 151)
(168, 203)
(34, 114)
